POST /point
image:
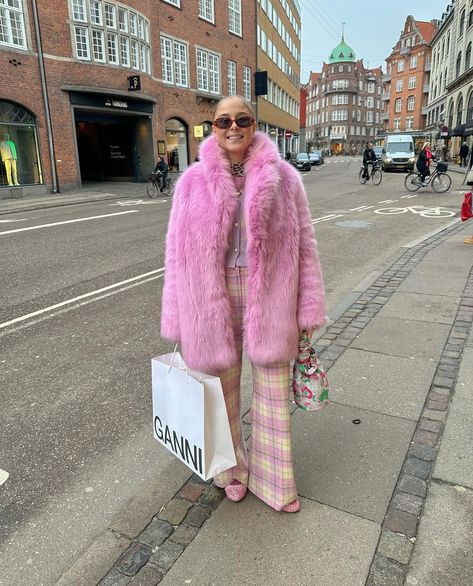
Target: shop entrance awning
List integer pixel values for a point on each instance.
(459, 130)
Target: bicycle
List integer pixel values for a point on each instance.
(440, 180)
(155, 185)
(376, 174)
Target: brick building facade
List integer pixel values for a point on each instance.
(406, 82)
(187, 54)
(343, 104)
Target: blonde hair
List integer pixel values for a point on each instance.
(426, 144)
(248, 105)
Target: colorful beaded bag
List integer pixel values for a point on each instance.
(309, 381)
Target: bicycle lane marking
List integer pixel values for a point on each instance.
(136, 202)
(326, 218)
(3, 476)
(423, 211)
(66, 222)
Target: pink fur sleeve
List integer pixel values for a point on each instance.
(311, 298)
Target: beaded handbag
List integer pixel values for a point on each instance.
(309, 380)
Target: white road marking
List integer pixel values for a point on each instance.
(3, 476)
(79, 298)
(325, 218)
(8, 221)
(135, 202)
(67, 222)
(387, 201)
(409, 196)
(360, 208)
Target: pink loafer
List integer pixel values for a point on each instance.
(292, 507)
(236, 491)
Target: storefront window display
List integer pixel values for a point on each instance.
(176, 145)
(20, 162)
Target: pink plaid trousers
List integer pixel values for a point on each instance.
(267, 467)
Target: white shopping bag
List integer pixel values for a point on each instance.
(189, 416)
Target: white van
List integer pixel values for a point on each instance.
(398, 152)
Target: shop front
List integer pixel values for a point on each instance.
(177, 147)
(114, 137)
(19, 152)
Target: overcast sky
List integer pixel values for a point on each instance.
(371, 29)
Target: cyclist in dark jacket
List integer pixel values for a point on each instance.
(369, 156)
(163, 167)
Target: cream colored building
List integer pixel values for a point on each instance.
(279, 53)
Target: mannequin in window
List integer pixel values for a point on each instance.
(9, 156)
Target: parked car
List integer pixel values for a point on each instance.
(314, 158)
(321, 155)
(378, 151)
(301, 161)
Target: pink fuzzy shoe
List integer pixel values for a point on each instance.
(292, 507)
(236, 491)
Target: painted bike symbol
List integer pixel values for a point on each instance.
(424, 211)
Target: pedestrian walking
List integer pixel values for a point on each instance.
(423, 162)
(242, 272)
(464, 150)
(469, 181)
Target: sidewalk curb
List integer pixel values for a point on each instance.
(155, 550)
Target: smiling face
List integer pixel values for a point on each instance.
(234, 140)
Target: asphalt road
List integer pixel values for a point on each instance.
(80, 290)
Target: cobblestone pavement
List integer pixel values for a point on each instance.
(153, 552)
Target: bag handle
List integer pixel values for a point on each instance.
(180, 367)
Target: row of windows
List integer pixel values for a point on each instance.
(341, 131)
(411, 84)
(409, 123)
(175, 68)
(341, 99)
(281, 99)
(207, 12)
(273, 16)
(400, 64)
(274, 54)
(411, 102)
(341, 84)
(340, 115)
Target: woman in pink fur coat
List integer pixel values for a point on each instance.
(242, 272)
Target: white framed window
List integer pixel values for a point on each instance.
(112, 48)
(135, 59)
(369, 116)
(411, 101)
(104, 36)
(133, 20)
(82, 42)
(371, 87)
(98, 45)
(125, 51)
(208, 71)
(234, 16)
(231, 77)
(399, 85)
(398, 105)
(123, 20)
(400, 65)
(174, 2)
(412, 82)
(78, 10)
(95, 12)
(409, 123)
(110, 16)
(413, 62)
(174, 62)
(397, 123)
(247, 82)
(12, 24)
(207, 10)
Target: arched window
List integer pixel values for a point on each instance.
(469, 108)
(459, 111)
(458, 64)
(468, 57)
(398, 105)
(450, 116)
(461, 28)
(18, 146)
(411, 102)
(470, 18)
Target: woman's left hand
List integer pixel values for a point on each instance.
(309, 333)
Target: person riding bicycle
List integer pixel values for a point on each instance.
(423, 162)
(163, 168)
(369, 157)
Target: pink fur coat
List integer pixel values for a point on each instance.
(285, 287)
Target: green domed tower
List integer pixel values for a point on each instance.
(342, 52)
